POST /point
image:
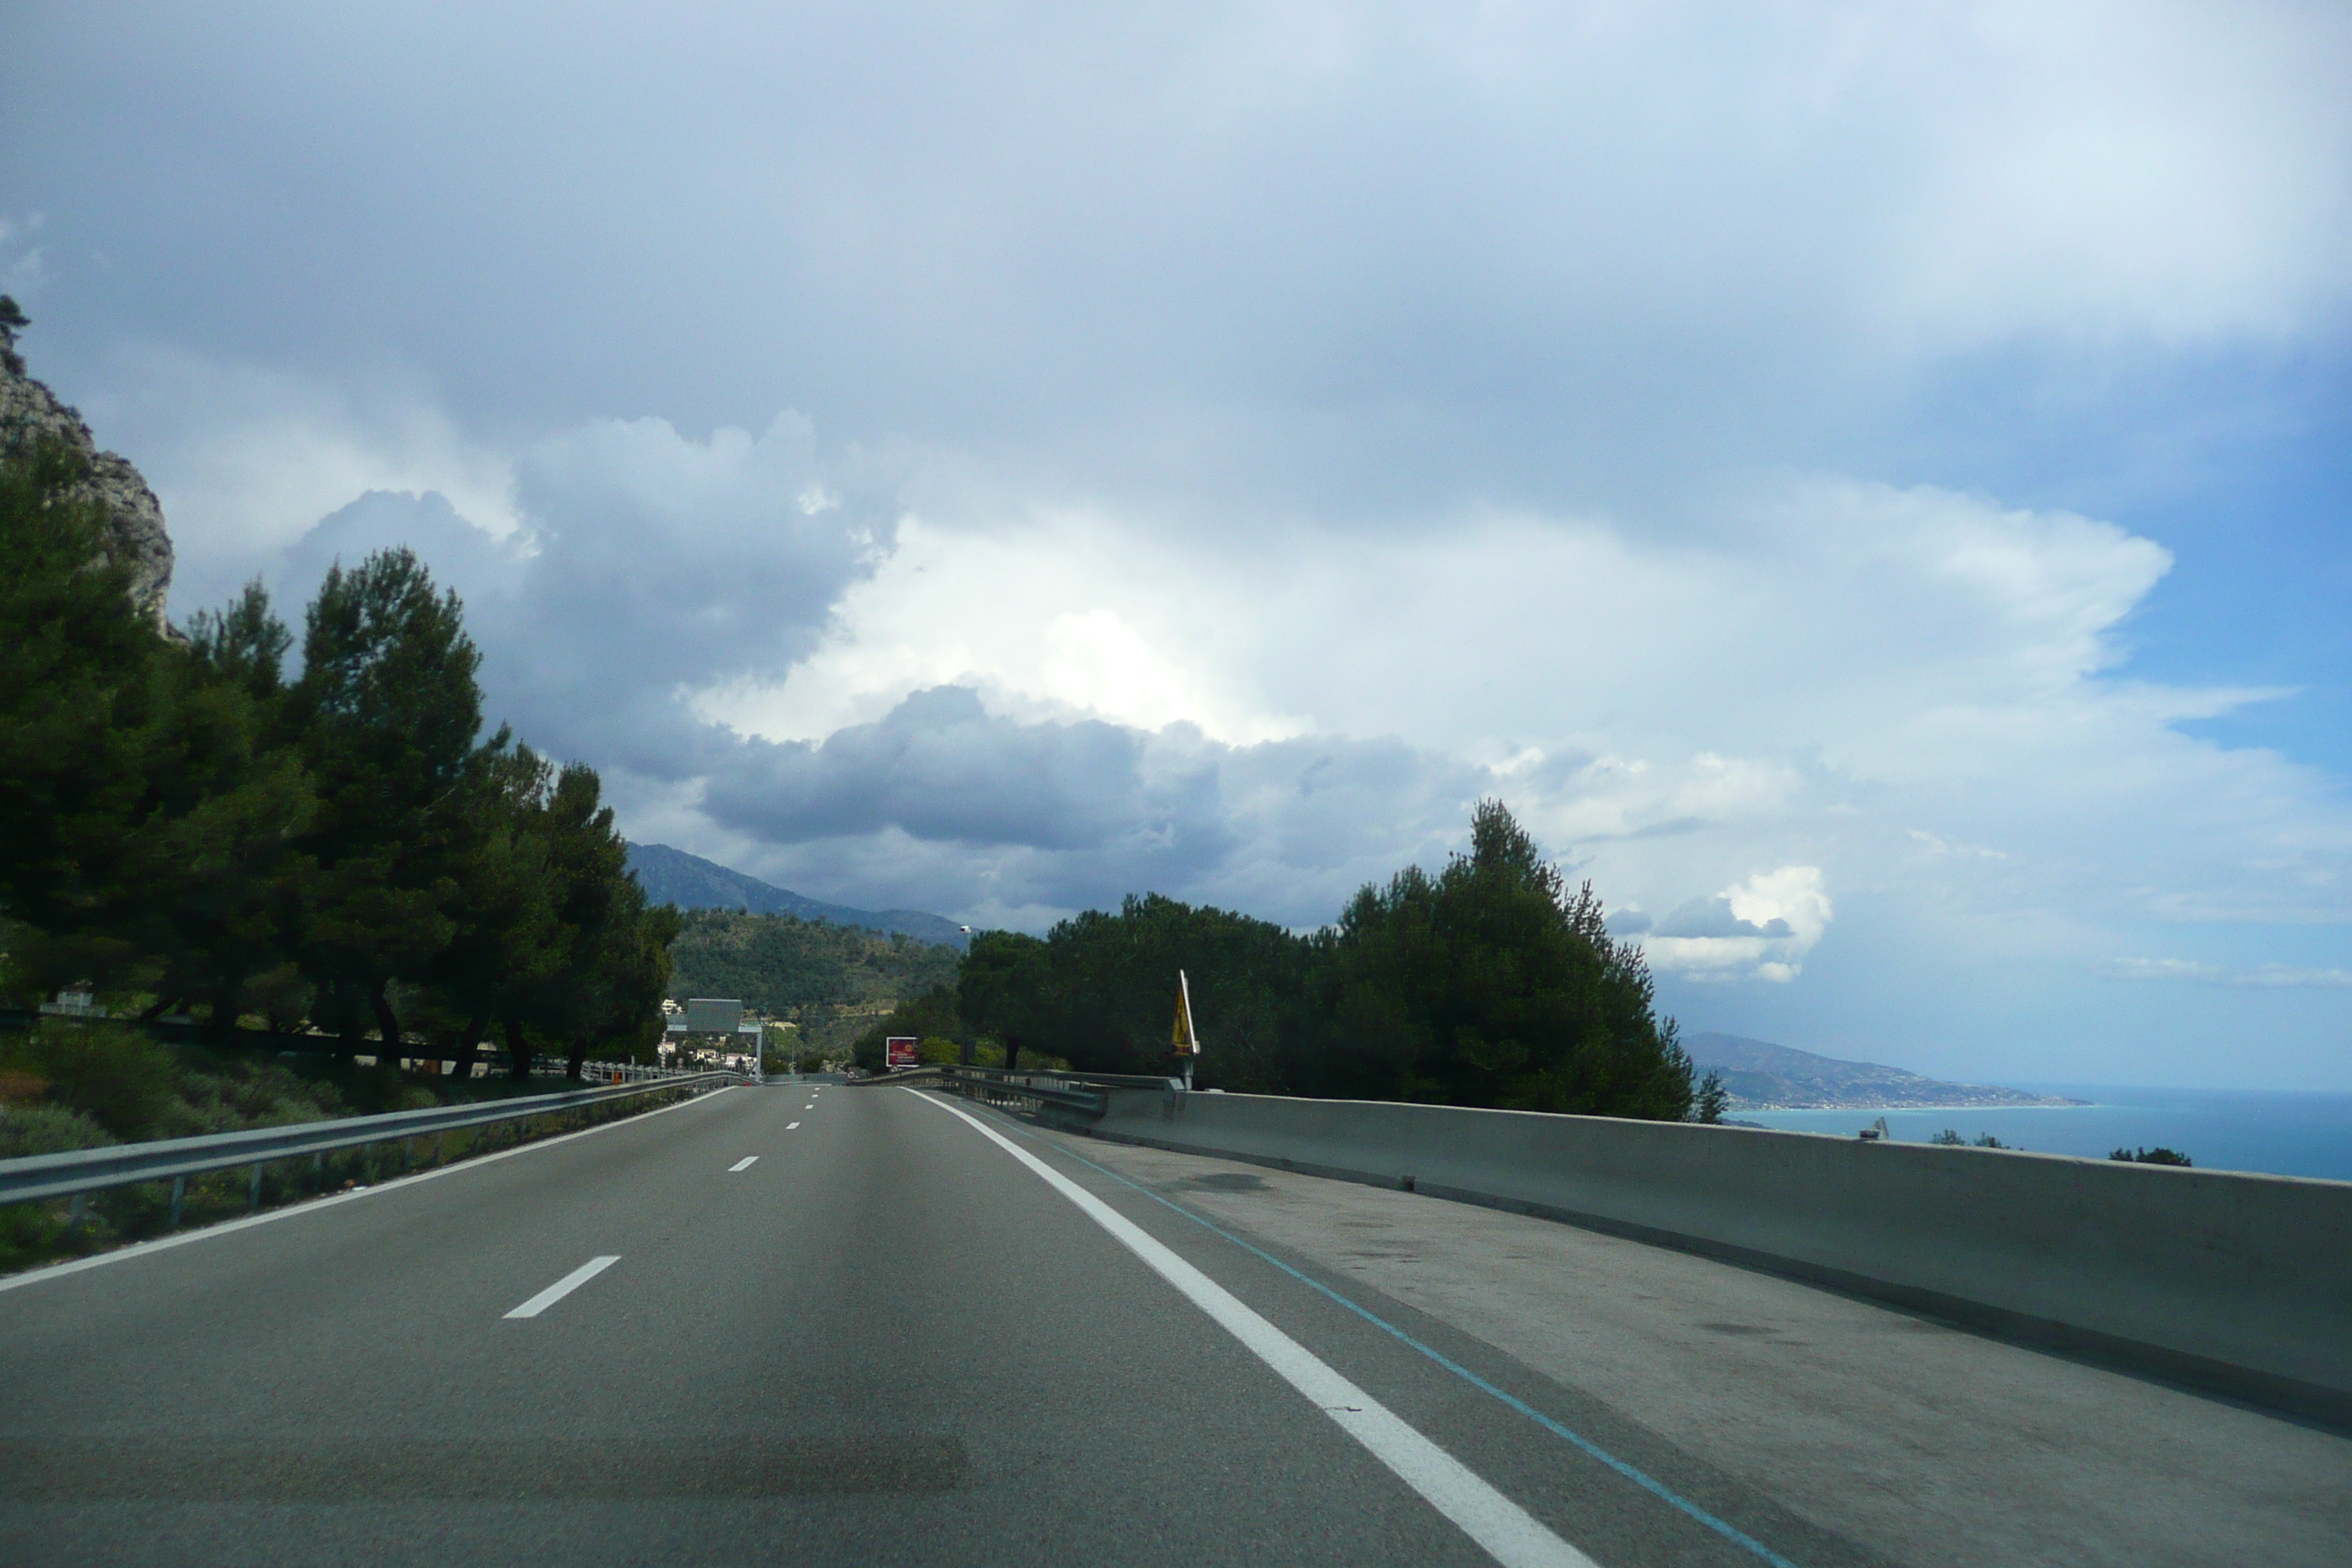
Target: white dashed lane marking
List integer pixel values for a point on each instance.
(563, 1287)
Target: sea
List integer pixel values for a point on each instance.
(2282, 1132)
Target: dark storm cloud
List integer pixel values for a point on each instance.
(938, 767)
(943, 802)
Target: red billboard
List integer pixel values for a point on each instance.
(902, 1052)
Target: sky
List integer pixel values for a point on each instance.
(1866, 484)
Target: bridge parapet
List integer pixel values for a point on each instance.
(2233, 1282)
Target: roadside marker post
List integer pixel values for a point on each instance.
(1185, 1042)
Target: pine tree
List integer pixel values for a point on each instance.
(387, 709)
(76, 664)
(1492, 984)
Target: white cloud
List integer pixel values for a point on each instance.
(2266, 976)
(1074, 616)
(1760, 928)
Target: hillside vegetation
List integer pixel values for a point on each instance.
(792, 968)
(673, 876)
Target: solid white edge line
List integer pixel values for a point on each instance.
(329, 1200)
(745, 1164)
(563, 1287)
(1507, 1531)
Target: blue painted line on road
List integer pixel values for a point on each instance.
(1655, 1488)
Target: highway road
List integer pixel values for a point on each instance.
(870, 1325)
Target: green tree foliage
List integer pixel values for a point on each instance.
(933, 1014)
(180, 825)
(148, 807)
(1710, 1101)
(1492, 984)
(388, 710)
(1109, 1004)
(232, 881)
(508, 947)
(2159, 1155)
(76, 668)
(1004, 990)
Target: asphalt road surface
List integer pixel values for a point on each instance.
(868, 1325)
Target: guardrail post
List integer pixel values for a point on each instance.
(407, 1154)
(319, 1169)
(74, 1212)
(179, 1197)
(253, 1193)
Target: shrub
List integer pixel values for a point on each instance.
(110, 1072)
(2159, 1155)
(29, 1129)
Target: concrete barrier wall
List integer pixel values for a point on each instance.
(2239, 1283)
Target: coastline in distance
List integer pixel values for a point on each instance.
(1761, 1076)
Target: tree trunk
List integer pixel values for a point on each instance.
(579, 1054)
(354, 1024)
(1011, 1054)
(518, 1051)
(470, 1046)
(163, 1005)
(387, 1024)
(227, 991)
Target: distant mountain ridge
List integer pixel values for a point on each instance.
(1761, 1076)
(674, 877)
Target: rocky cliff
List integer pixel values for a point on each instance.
(135, 519)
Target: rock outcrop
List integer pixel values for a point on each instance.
(135, 519)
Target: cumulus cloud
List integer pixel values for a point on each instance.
(1712, 920)
(638, 563)
(1005, 816)
(779, 672)
(1760, 928)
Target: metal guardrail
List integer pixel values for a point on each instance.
(1061, 1091)
(609, 1072)
(83, 1171)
